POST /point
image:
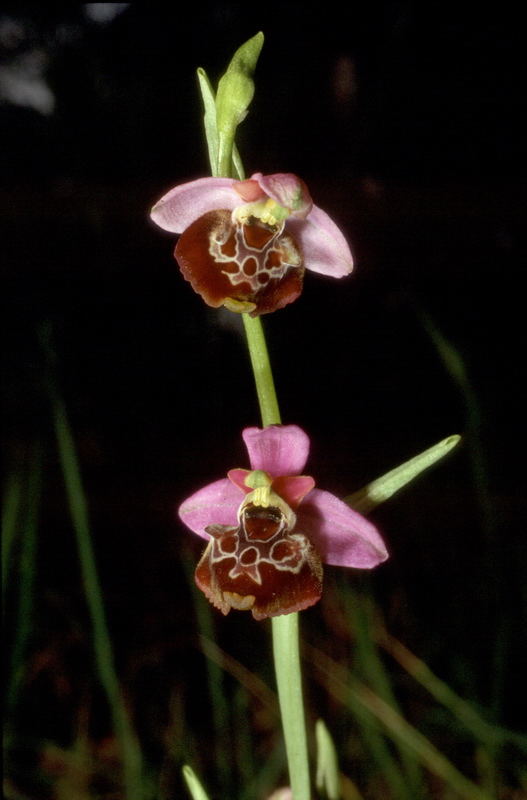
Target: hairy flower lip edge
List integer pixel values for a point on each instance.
(342, 536)
(324, 246)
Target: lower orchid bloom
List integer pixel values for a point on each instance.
(269, 529)
(245, 244)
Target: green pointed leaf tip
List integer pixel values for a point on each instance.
(194, 786)
(383, 488)
(328, 778)
(236, 87)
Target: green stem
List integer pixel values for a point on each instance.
(285, 628)
(262, 371)
(289, 681)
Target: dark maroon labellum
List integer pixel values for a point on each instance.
(226, 259)
(261, 565)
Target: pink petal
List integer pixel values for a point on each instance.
(277, 449)
(293, 489)
(341, 535)
(324, 247)
(237, 476)
(186, 203)
(216, 503)
(249, 190)
(288, 191)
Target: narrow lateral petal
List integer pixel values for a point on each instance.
(341, 535)
(237, 476)
(217, 503)
(277, 449)
(293, 489)
(186, 203)
(324, 247)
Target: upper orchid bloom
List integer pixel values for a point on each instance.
(270, 529)
(245, 244)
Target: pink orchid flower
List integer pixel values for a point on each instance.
(269, 529)
(245, 244)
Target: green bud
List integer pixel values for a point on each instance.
(211, 128)
(235, 92)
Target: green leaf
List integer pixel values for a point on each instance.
(209, 119)
(328, 778)
(237, 165)
(383, 488)
(194, 786)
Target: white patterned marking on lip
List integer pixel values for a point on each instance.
(244, 253)
(263, 550)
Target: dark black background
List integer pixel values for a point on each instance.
(418, 156)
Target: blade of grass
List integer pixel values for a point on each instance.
(26, 519)
(487, 733)
(220, 711)
(327, 776)
(359, 610)
(255, 685)
(342, 686)
(103, 649)
(492, 579)
(11, 509)
(193, 784)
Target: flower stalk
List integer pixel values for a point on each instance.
(289, 682)
(285, 628)
(261, 366)
(285, 633)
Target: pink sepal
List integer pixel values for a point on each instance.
(216, 503)
(184, 204)
(341, 535)
(326, 250)
(277, 449)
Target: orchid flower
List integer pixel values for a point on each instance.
(269, 529)
(245, 244)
